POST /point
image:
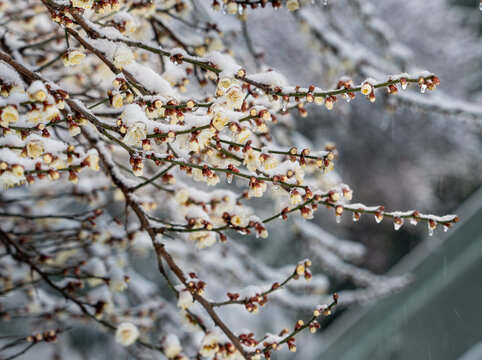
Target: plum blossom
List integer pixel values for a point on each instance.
(126, 334)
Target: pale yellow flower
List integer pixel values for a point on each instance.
(258, 190)
(242, 135)
(366, 88)
(11, 178)
(270, 163)
(220, 120)
(126, 334)
(185, 299)
(225, 83)
(35, 148)
(292, 5)
(251, 160)
(117, 101)
(93, 161)
(73, 57)
(39, 95)
(123, 56)
(135, 134)
(9, 115)
(232, 7)
(172, 346)
(213, 180)
(203, 239)
(295, 197)
(181, 196)
(235, 97)
(35, 116)
(83, 4)
(210, 344)
(130, 26)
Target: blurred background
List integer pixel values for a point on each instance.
(397, 153)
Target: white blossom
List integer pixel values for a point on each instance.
(235, 97)
(8, 115)
(135, 134)
(11, 178)
(292, 5)
(220, 119)
(73, 57)
(203, 239)
(172, 346)
(126, 334)
(123, 56)
(83, 4)
(35, 148)
(251, 160)
(185, 299)
(210, 344)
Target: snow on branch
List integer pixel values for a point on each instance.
(117, 131)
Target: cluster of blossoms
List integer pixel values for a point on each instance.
(161, 137)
